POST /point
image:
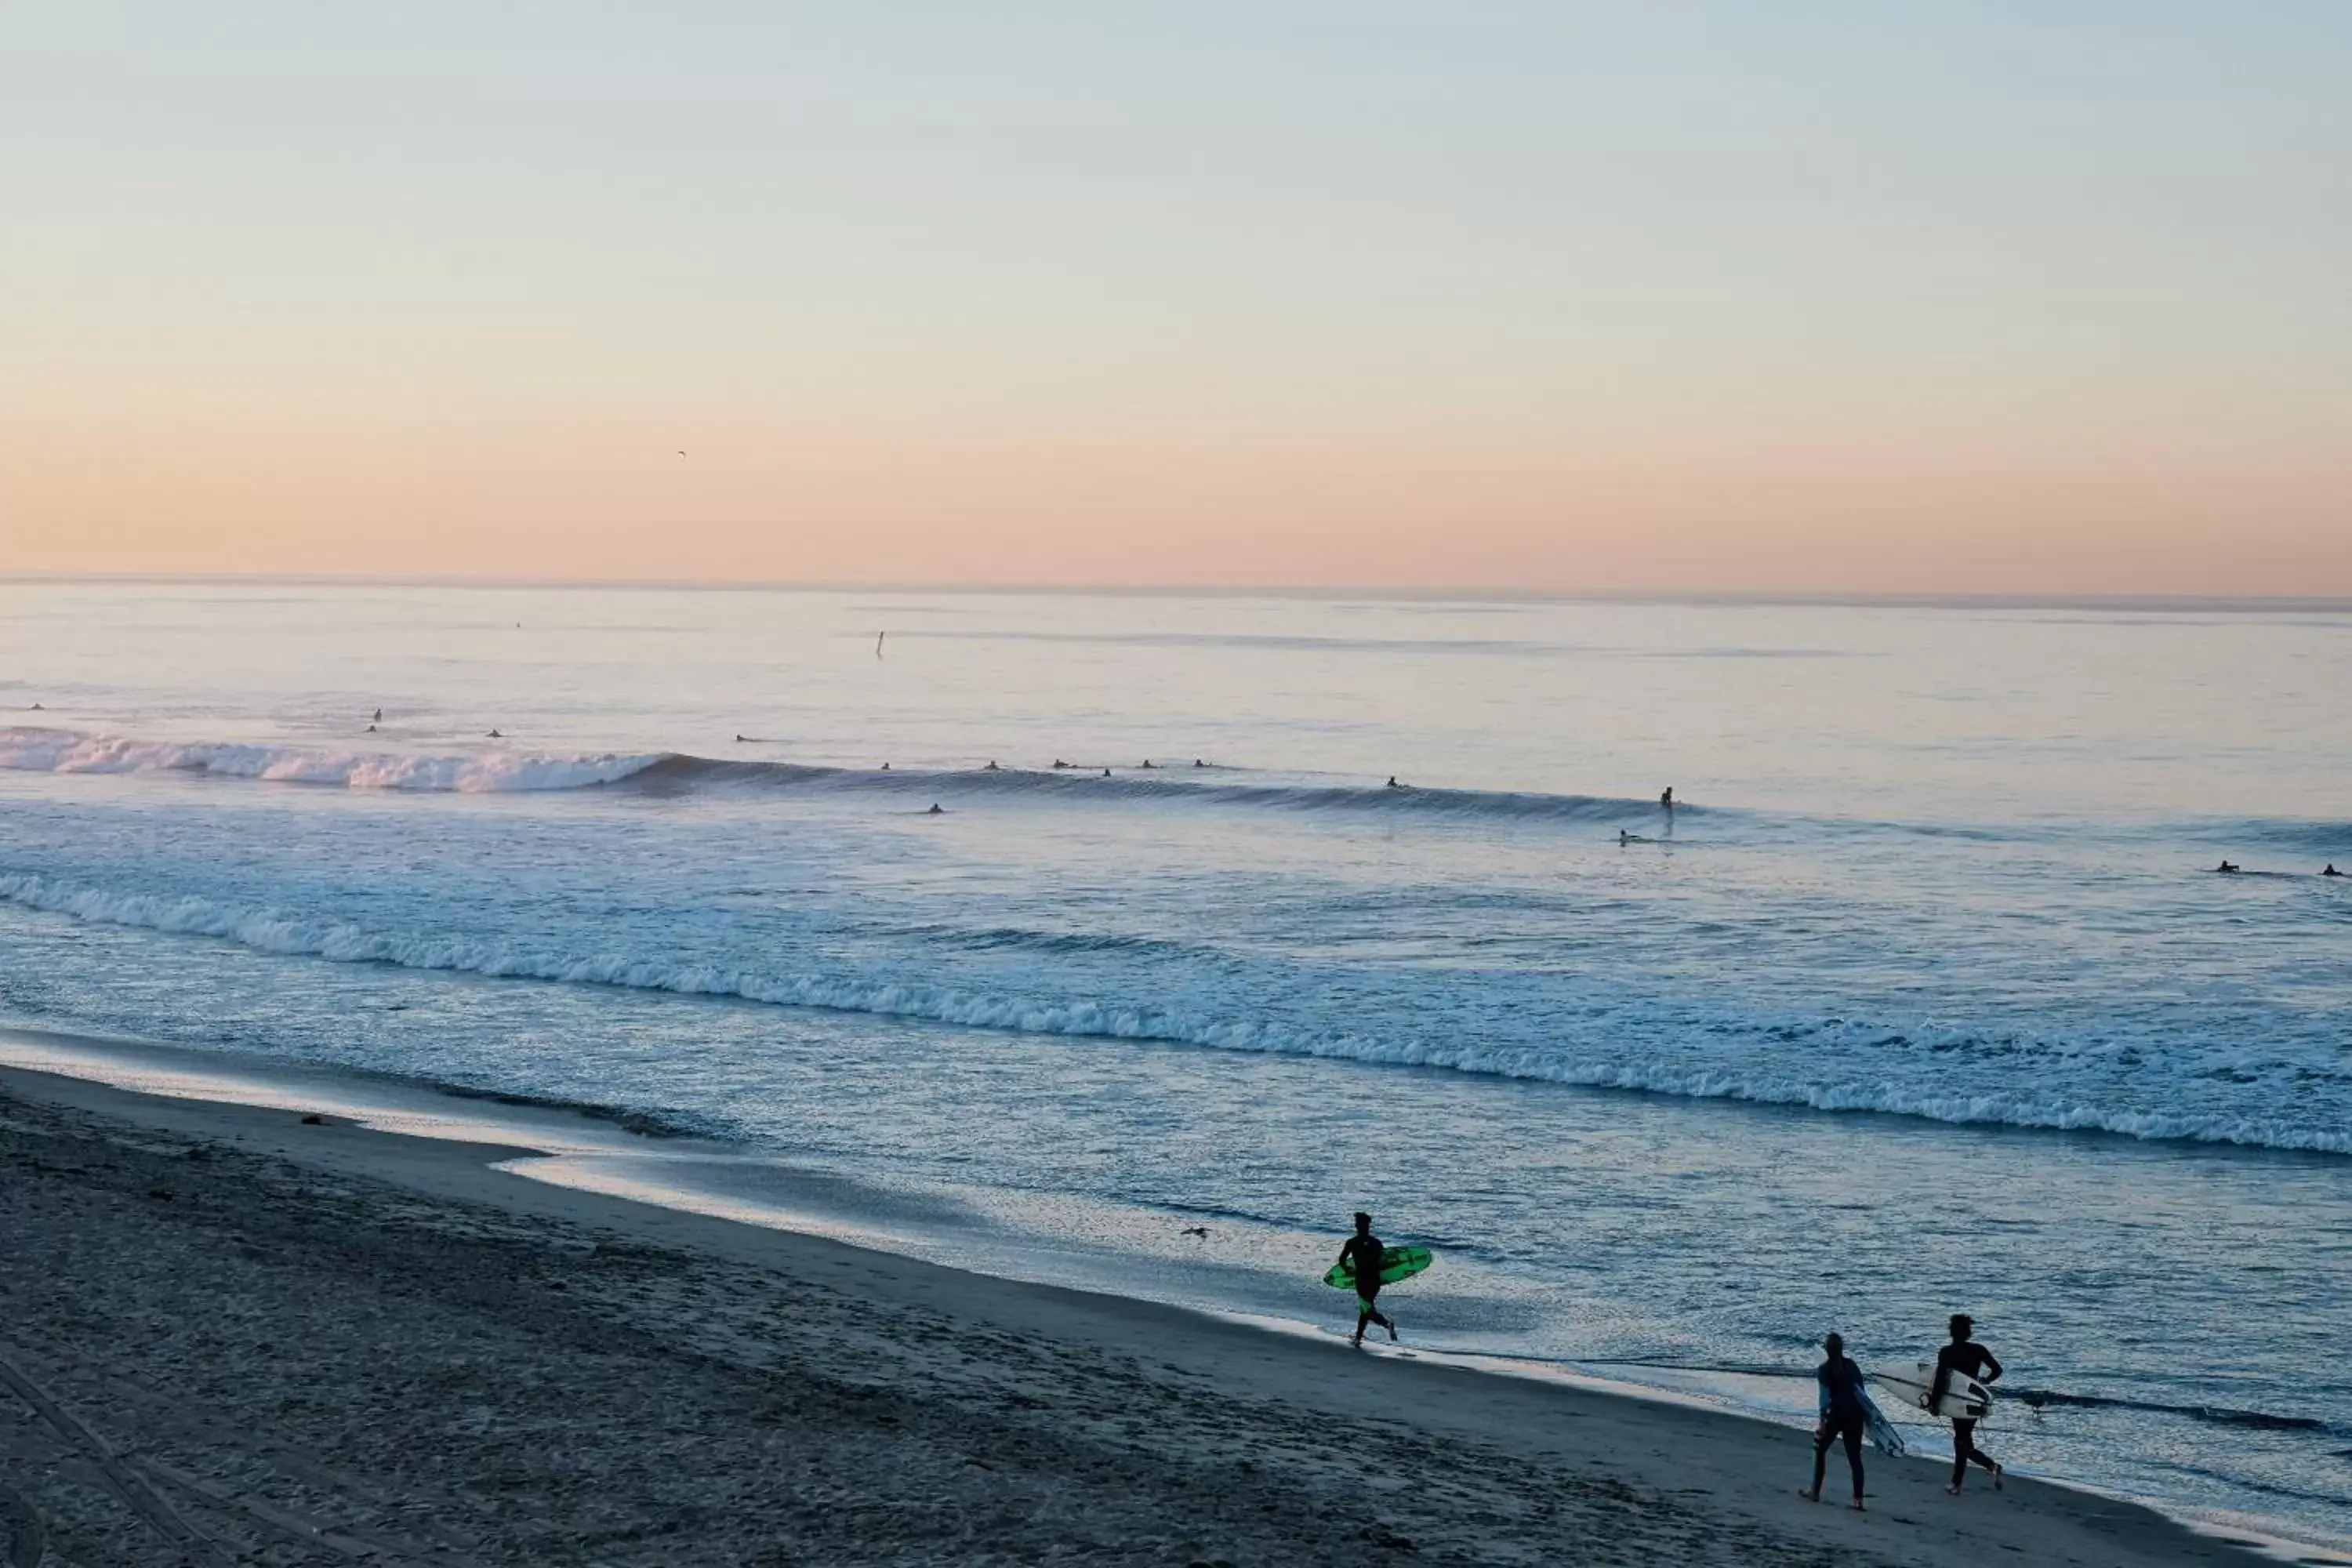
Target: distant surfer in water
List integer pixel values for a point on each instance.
(992, 766)
(1667, 799)
(937, 810)
(2226, 869)
(2331, 870)
(1845, 1411)
(1393, 783)
(1362, 1256)
(1969, 1359)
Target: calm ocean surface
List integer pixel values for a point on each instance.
(1925, 999)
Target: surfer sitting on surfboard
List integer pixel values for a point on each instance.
(1969, 1359)
(1363, 1255)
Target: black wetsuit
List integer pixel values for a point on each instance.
(1842, 1382)
(1366, 1253)
(1969, 1359)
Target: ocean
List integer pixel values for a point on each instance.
(1925, 995)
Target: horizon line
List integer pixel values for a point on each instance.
(1468, 594)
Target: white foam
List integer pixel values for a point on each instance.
(1670, 1072)
(69, 751)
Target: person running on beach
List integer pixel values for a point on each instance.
(1361, 1254)
(1845, 1411)
(1969, 1359)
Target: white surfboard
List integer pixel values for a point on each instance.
(1964, 1396)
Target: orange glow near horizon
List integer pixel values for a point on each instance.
(306, 502)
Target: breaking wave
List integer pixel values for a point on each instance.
(68, 752)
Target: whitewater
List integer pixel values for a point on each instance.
(1925, 996)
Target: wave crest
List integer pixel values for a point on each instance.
(69, 751)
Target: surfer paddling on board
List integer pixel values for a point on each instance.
(1969, 1359)
(1362, 1255)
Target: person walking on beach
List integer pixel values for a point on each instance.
(1845, 1412)
(1362, 1256)
(1969, 1359)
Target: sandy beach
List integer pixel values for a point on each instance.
(234, 1336)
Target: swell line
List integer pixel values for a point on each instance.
(665, 773)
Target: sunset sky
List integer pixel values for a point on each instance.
(1930, 298)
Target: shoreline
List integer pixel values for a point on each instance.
(1495, 1469)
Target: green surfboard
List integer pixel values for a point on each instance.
(1396, 1263)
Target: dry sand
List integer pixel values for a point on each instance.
(229, 1336)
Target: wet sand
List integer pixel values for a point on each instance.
(228, 1335)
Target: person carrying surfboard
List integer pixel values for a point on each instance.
(1969, 1359)
(1363, 1255)
(1846, 1413)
